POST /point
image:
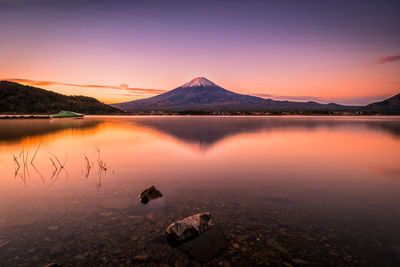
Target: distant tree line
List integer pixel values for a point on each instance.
(21, 99)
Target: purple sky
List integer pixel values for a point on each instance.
(345, 51)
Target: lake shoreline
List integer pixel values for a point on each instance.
(47, 116)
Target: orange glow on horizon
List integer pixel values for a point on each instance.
(308, 91)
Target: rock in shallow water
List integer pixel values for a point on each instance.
(149, 194)
(187, 228)
(52, 265)
(205, 247)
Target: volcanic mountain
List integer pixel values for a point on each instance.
(202, 94)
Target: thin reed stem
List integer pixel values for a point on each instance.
(37, 149)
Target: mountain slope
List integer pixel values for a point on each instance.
(18, 98)
(202, 94)
(388, 106)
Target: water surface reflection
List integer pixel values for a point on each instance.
(17, 130)
(282, 190)
(207, 131)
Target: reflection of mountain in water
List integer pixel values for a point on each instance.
(16, 130)
(207, 131)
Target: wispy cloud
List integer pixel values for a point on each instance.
(120, 87)
(385, 171)
(387, 59)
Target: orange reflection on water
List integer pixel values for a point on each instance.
(290, 154)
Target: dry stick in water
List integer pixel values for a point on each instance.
(55, 178)
(16, 173)
(94, 154)
(87, 163)
(17, 169)
(61, 169)
(26, 164)
(38, 172)
(15, 159)
(61, 166)
(36, 151)
(55, 166)
(101, 163)
(55, 169)
(88, 167)
(23, 160)
(26, 157)
(101, 167)
(66, 158)
(19, 166)
(65, 162)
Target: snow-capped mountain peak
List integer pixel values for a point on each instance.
(200, 82)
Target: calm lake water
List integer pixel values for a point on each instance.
(284, 191)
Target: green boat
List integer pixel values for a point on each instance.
(66, 114)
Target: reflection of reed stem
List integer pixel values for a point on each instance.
(27, 155)
(59, 163)
(87, 163)
(55, 179)
(56, 159)
(17, 169)
(26, 163)
(65, 162)
(54, 165)
(36, 151)
(61, 167)
(23, 161)
(38, 172)
(16, 172)
(15, 159)
(102, 165)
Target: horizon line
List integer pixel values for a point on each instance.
(351, 101)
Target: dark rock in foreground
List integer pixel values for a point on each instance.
(149, 194)
(188, 228)
(206, 246)
(52, 265)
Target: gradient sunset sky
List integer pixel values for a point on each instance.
(342, 51)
